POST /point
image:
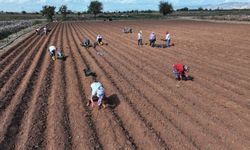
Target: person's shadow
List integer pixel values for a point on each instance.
(112, 101)
(189, 78)
(65, 58)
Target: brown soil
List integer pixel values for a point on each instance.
(43, 102)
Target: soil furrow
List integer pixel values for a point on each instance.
(10, 64)
(148, 64)
(59, 132)
(190, 44)
(83, 132)
(13, 128)
(32, 133)
(134, 110)
(165, 53)
(20, 103)
(37, 135)
(10, 52)
(117, 120)
(128, 60)
(43, 102)
(150, 104)
(17, 50)
(109, 133)
(116, 61)
(37, 138)
(28, 55)
(8, 91)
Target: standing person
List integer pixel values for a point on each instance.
(45, 30)
(99, 39)
(152, 39)
(52, 52)
(168, 39)
(180, 71)
(139, 37)
(97, 94)
(37, 31)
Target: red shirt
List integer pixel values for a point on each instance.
(179, 68)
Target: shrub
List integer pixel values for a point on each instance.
(9, 27)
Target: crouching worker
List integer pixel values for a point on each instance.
(52, 52)
(180, 72)
(59, 54)
(97, 94)
(99, 39)
(86, 43)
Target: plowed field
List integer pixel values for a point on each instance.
(43, 102)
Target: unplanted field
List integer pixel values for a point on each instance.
(43, 102)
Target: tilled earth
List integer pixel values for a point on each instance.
(43, 102)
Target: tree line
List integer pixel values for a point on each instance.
(95, 7)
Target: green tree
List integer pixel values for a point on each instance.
(183, 9)
(48, 11)
(165, 8)
(79, 14)
(63, 10)
(95, 7)
(200, 9)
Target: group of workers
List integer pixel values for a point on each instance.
(99, 40)
(180, 71)
(55, 53)
(152, 39)
(43, 30)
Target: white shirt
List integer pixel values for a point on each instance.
(152, 36)
(52, 48)
(168, 37)
(44, 29)
(139, 36)
(97, 89)
(98, 37)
